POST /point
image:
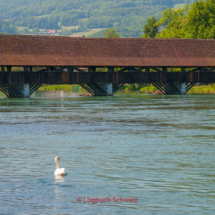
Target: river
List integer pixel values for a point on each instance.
(158, 151)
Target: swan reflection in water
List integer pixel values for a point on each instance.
(59, 192)
(59, 179)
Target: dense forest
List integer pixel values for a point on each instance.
(127, 16)
(7, 27)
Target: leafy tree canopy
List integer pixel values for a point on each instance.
(175, 23)
(201, 20)
(150, 29)
(194, 21)
(110, 33)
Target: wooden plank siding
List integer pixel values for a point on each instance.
(105, 77)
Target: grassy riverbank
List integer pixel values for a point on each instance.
(56, 87)
(150, 88)
(139, 88)
(63, 87)
(203, 89)
(126, 88)
(131, 88)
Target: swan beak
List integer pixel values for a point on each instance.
(59, 159)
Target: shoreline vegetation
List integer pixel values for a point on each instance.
(145, 89)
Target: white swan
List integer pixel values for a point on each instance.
(59, 171)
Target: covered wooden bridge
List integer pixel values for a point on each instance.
(102, 66)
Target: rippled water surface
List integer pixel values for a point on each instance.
(159, 149)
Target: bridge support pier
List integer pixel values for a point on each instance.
(181, 87)
(23, 89)
(104, 89)
(174, 88)
(19, 90)
(107, 88)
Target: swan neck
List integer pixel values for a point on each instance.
(57, 164)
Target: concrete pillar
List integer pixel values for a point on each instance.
(19, 90)
(107, 87)
(171, 88)
(23, 89)
(181, 87)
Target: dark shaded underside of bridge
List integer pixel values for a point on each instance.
(173, 66)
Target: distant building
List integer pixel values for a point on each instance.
(51, 31)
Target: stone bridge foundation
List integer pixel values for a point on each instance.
(23, 89)
(19, 90)
(104, 89)
(173, 88)
(107, 88)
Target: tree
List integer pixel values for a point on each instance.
(110, 33)
(150, 29)
(25, 31)
(5, 28)
(35, 31)
(175, 23)
(116, 24)
(201, 20)
(196, 21)
(12, 29)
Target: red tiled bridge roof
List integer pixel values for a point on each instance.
(23, 50)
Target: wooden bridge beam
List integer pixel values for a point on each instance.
(91, 69)
(182, 69)
(9, 68)
(79, 70)
(57, 77)
(110, 69)
(147, 69)
(167, 82)
(202, 69)
(164, 69)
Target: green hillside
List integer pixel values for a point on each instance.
(128, 17)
